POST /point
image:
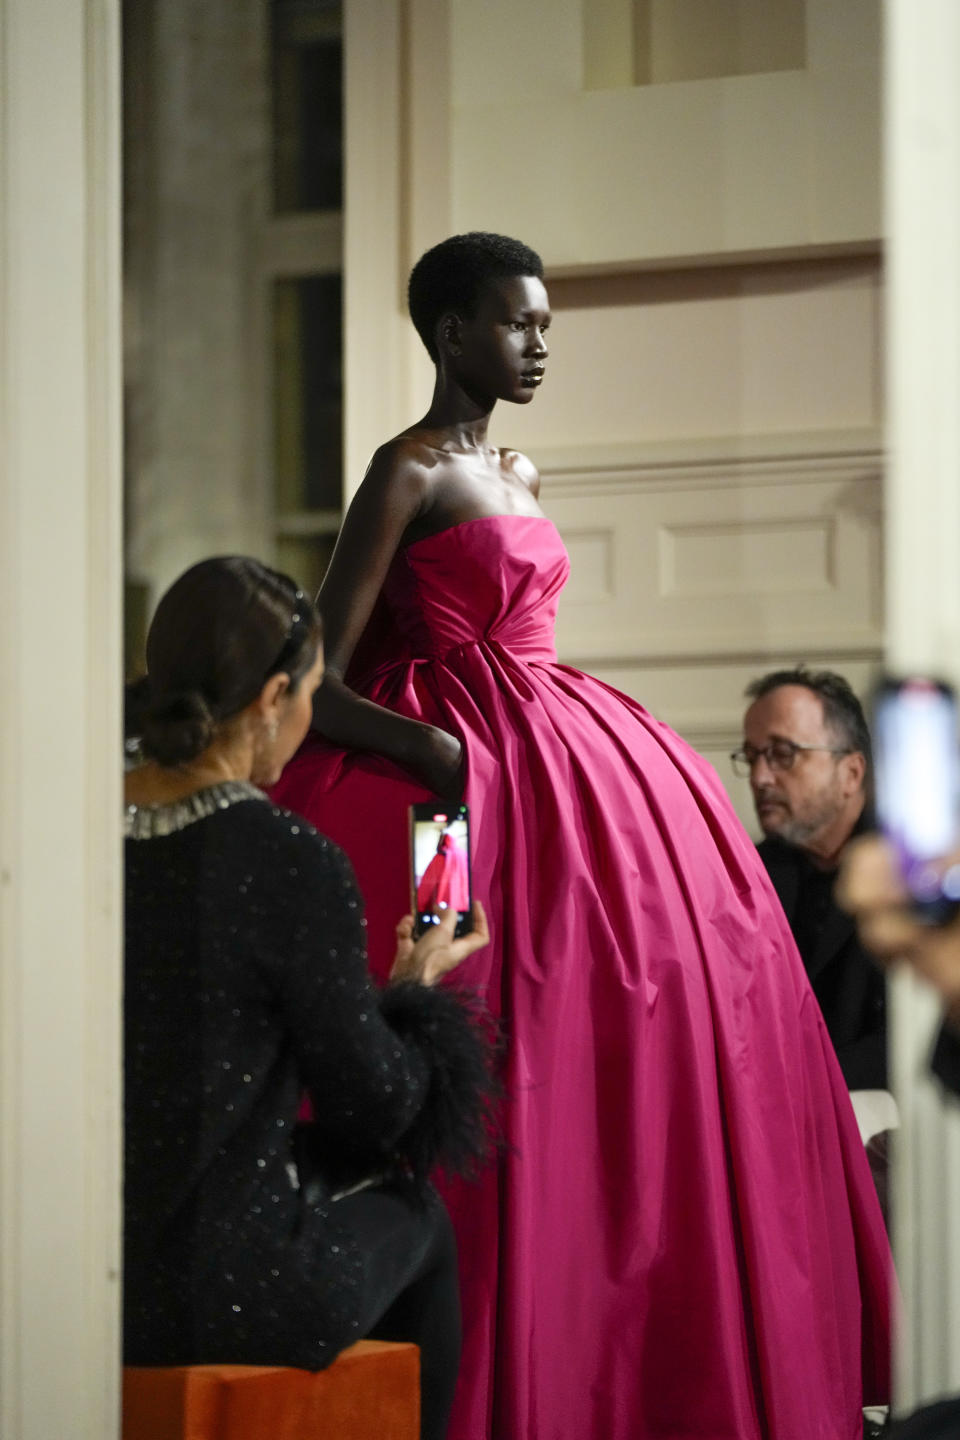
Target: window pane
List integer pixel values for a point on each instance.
(655, 42)
(308, 393)
(705, 39)
(305, 559)
(307, 44)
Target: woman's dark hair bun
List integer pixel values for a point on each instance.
(175, 728)
(217, 636)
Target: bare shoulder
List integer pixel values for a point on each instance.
(410, 447)
(398, 476)
(407, 456)
(522, 468)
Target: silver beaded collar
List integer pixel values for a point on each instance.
(147, 822)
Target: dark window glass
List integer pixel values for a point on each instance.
(305, 559)
(308, 393)
(307, 45)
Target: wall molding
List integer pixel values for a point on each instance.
(710, 550)
(789, 653)
(708, 462)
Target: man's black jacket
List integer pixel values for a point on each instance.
(848, 983)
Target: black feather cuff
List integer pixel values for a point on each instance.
(455, 1128)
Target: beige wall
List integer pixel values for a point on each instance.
(626, 173)
(695, 355)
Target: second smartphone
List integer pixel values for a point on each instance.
(917, 768)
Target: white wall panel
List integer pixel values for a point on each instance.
(740, 352)
(717, 559)
(717, 166)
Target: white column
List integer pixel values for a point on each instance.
(923, 602)
(60, 643)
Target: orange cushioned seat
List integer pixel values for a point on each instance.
(370, 1392)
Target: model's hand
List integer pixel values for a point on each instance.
(436, 952)
(872, 889)
(439, 764)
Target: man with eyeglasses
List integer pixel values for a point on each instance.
(806, 750)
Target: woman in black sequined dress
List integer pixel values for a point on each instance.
(246, 983)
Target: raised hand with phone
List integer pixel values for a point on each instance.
(434, 953)
(903, 885)
(918, 790)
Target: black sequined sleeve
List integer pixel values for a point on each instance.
(406, 1070)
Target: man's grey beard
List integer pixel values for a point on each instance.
(796, 831)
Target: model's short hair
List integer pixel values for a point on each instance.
(842, 712)
(452, 275)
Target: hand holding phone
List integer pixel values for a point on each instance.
(917, 766)
(440, 877)
(436, 952)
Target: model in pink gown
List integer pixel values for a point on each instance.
(680, 1237)
(446, 880)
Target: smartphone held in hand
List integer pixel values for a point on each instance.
(917, 768)
(440, 864)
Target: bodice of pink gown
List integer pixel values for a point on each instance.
(680, 1237)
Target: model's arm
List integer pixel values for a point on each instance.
(393, 493)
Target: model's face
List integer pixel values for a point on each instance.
(503, 348)
(293, 714)
(805, 802)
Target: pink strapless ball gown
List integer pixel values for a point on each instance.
(681, 1238)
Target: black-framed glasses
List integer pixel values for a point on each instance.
(779, 755)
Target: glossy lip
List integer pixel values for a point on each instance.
(532, 377)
